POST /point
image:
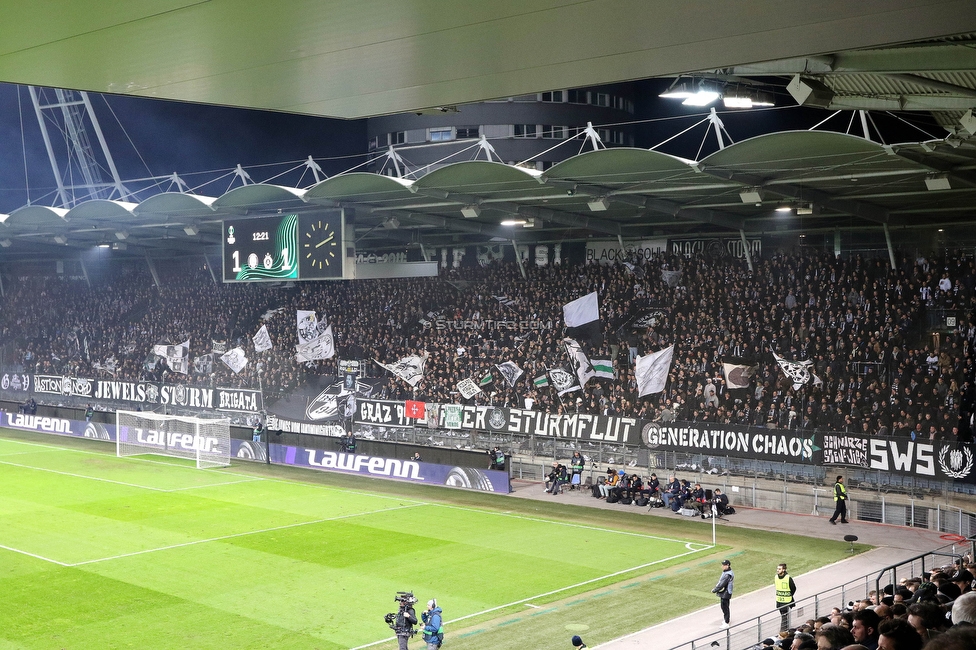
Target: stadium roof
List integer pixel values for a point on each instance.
(821, 180)
(365, 58)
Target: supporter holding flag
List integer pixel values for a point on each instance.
(652, 371)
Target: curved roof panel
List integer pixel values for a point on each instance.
(360, 187)
(37, 217)
(260, 196)
(619, 167)
(177, 204)
(101, 209)
(482, 178)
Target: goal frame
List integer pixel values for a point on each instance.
(206, 441)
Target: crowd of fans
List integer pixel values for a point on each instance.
(936, 612)
(862, 324)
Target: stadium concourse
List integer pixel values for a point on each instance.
(893, 544)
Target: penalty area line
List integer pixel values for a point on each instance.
(526, 601)
(33, 555)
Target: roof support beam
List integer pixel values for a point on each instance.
(861, 209)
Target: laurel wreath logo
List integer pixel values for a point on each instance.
(956, 459)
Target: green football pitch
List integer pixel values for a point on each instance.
(148, 552)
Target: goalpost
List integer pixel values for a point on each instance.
(206, 441)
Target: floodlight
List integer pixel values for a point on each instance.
(810, 92)
(751, 195)
(192, 231)
(937, 182)
(514, 222)
(471, 211)
(599, 205)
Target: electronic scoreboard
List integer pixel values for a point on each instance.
(283, 247)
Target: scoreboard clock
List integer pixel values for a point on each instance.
(283, 247)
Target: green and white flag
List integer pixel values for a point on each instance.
(603, 369)
(487, 379)
(541, 381)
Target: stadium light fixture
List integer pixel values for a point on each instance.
(6, 243)
(103, 245)
(471, 211)
(192, 231)
(514, 222)
(692, 93)
(751, 195)
(937, 182)
(599, 205)
(784, 209)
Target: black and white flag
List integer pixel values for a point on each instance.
(671, 278)
(579, 363)
(262, 340)
(319, 348)
(409, 369)
(234, 359)
(177, 356)
(468, 388)
(797, 371)
(738, 372)
(203, 364)
(218, 347)
(510, 371)
(563, 381)
(307, 324)
(651, 317)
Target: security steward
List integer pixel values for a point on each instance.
(840, 502)
(785, 590)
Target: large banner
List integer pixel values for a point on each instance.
(236, 400)
(404, 470)
(608, 251)
(715, 247)
(58, 426)
(939, 460)
(783, 445)
(505, 420)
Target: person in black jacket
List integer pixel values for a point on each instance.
(724, 591)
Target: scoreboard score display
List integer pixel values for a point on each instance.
(283, 247)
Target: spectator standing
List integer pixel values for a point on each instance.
(723, 589)
(840, 502)
(785, 590)
(865, 628)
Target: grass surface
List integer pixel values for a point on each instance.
(101, 552)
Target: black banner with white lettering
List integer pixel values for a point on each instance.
(234, 400)
(712, 439)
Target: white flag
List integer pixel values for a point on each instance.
(797, 371)
(563, 381)
(234, 359)
(738, 375)
(652, 371)
(308, 326)
(203, 364)
(409, 369)
(582, 310)
(671, 278)
(321, 347)
(262, 340)
(579, 362)
(468, 388)
(510, 371)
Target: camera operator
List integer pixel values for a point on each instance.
(404, 619)
(496, 459)
(348, 443)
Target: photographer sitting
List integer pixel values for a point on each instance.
(556, 477)
(720, 504)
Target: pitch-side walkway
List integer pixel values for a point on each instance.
(893, 543)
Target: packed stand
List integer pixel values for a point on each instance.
(861, 325)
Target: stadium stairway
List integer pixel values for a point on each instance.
(893, 544)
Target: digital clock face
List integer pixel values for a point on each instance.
(286, 247)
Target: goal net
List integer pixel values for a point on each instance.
(206, 441)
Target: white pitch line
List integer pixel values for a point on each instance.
(234, 535)
(34, 555)
(91, 478)
(208, 485)
(548, 593)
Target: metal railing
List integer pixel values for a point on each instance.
(750, 633)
